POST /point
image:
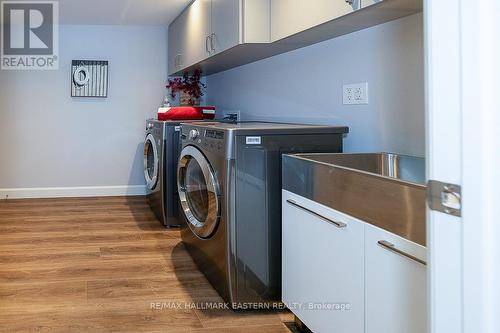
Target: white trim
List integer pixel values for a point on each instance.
(444, 161)
(72, 192)
(463, 76)
(480, 160)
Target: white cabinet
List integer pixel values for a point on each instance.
(216, 35)
(198, 30)
(188, 36)
(176, 37)
(209, 27)
(395, 283)
(289, 17)
(225, 24)
(323, 273)
(329, 258)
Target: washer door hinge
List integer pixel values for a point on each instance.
(445, 198)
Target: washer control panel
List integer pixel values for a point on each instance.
(213, 140)
(208, 139)
(154, 128)
(211, 134)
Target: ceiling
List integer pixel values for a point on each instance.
(120, 12)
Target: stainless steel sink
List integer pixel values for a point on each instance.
(386, 190)
(400, 167)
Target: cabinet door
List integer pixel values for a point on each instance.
(225, 24)
(198, 28)
(366, 3)
(395, 285)
(176, 33)
(322, 266)
(289, 17)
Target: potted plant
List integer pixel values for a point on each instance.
(190, 87)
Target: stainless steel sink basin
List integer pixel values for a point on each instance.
(386, 190)
(400, 167)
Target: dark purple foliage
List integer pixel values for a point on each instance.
(189, 84)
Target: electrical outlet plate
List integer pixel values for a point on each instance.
(356, 93)
(227, 114)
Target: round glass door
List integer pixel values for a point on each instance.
(151, 160)
(198, 192)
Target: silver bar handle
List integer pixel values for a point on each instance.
(206, 44)
(391, 247)
(335, 223)
(212, 36)
(179, 61)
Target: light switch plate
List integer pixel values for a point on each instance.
(356, 93)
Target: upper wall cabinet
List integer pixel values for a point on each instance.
(176, 42)
(198, 19)
(209, 27)
(225, 25)
(289, 17)
(216, 35)
(187, 36)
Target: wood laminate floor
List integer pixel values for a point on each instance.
(105, 265)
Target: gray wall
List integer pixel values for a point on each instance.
(306, 86)
(48, 139)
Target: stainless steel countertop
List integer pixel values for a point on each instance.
(385, 190)
(264, 128)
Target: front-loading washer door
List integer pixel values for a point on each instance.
(198, 192)
(151, 162)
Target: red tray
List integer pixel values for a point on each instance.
(186, 113)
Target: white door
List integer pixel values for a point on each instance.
(176, 44)
(463, 85)
(198, 31)
(289, 17)
(323, 266)
(395, 283)
(225, 24)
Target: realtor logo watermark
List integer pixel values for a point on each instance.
(30, 35)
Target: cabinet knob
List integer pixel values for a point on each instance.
(350, 2)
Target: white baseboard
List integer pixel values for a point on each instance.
(72, 192)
